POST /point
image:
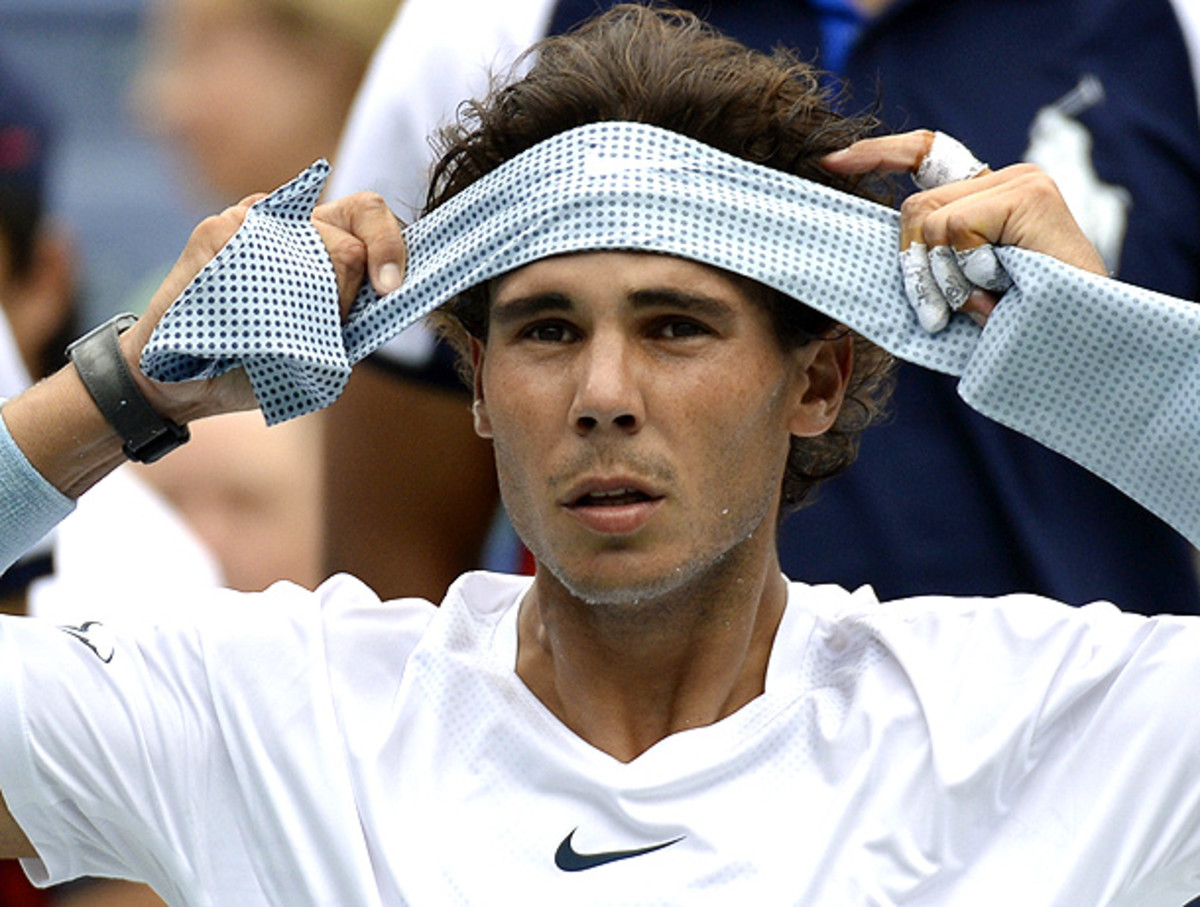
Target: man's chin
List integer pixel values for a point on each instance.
(615, 588)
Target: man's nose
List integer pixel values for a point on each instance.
(607, 393)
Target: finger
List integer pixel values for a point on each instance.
(921, 290)
(947, 161)
(980, 305)
(251, 199)
(956, 232)
(889, 154)
(349, 256)
(982, 268)
(963, 214)
(949, 277)
(367, 217)
(1017, 206)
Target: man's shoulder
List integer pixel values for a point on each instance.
(485, 591)
(358, 629)
(923, 625)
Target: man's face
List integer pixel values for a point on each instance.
(640, 407)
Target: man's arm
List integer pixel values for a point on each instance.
(13, 843)
(67, 440)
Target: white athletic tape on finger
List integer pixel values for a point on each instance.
(982, 268)
(636, 187)
(921, 290)
(947, 161)
(950, 280)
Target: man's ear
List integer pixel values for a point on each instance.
(483, 424)
(825, 373)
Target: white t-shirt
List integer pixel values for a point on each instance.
(323, 748)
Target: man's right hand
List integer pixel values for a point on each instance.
(363, 239)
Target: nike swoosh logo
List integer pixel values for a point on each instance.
(568, 859)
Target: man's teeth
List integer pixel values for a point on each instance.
(616, 496)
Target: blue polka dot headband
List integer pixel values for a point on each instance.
(1053, 362)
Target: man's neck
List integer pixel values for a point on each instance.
(623, 677)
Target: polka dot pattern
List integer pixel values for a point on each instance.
(268, 301)
(1103, 372)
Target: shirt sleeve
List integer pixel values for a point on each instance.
(29, 505)
(118, 756)
(1074, 728)
(203, 755)
(111, 752)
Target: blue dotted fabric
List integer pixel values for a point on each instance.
(1103, 372)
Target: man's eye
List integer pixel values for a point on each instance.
(677, 329)
(550, 332)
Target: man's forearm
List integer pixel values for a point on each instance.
(53, 445)
(63, 434)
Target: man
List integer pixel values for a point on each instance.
(1065, 84)
(658, 716)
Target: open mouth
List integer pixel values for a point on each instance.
(613, 507)
(617, 497)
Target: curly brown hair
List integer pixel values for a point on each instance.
(667, 68)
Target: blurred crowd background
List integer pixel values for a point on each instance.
(110, 182)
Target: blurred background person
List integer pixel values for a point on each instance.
(246, 94)
(1098, 92)
(252, 495)
(37, 309)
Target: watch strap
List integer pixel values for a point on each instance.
(147, 436)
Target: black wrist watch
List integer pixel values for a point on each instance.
(97, 357)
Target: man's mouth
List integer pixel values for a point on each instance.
(613, 498)
(613, 507)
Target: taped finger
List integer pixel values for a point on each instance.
(947, 161)
(955, 287)
(924, 296)
(981, 267)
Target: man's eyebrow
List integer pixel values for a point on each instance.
(522, 308)
(696, 303)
